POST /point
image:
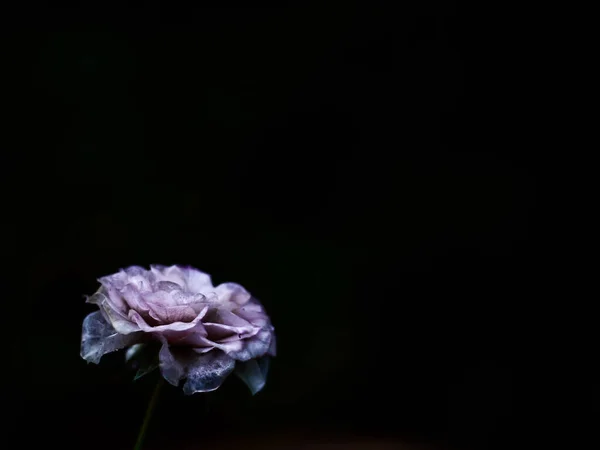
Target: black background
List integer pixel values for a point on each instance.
(359, 168)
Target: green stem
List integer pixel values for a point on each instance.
(148, 416)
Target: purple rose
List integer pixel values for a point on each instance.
(205, 332)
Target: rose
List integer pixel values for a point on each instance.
(205, 332)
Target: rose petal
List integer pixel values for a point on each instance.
(197, 281)
(171, 314)
(117, 280)
(98, 337)
(120, 324)
(204, 373)
(185, 338)
(226, 321)
(226, 333)
(162, 298)
(253, 312)
(201, 350)
(207, 372)
(232, 293)
(172, 273)
(199, 306)
(113, 295)
(253, 373)
(118, 320)
(171, 368)
(134, 299)
(254, 347)
(186, 298)
(168, 292)
(143, 283)
(114, 301)
(175, 326)
(202, 345)
(134, 271)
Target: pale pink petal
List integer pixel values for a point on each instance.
(133, 298)
(197, 281)
(232, 293)
(172, 273)
(133, 271)
(226, 333)
(116, 281)
(178, 295)
(102, 295)
(122, 324)
(141, 283)
(169, 314)
(226, 320)
(116, 299)
(163, 298)
(185, 338)
(252, 312)
(199, 306)
(175, 326)
(253, 347)
(118, 319)
(168, 286)
(202, 345)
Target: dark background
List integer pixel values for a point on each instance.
(360, 169)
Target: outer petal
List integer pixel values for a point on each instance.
(226, 333)
(139, 277)
(232, 293)
(117, 280)
(253, 373)
(224, 323)
(202, 345)
(120, 322)
(253, 312)
(196, 280)
(254, 347)
(207, 372)
(98, 337)
(204, 372)
(114, 296)
(171, 368)
(111, 296)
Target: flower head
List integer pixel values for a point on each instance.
(205, 332)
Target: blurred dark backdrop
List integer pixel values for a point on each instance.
(358, 168)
